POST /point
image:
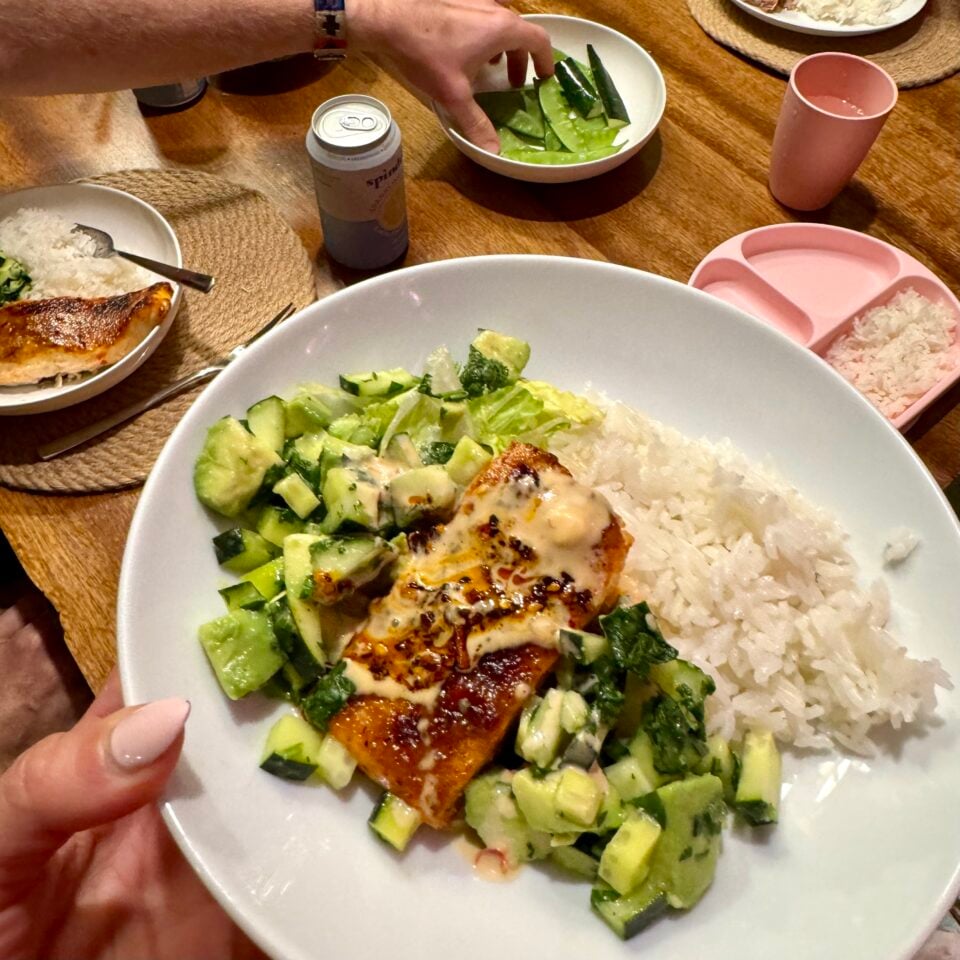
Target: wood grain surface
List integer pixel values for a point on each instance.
(699, 181)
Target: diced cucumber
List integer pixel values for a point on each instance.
(625, 861)
(613, 811)
(240, 551)
(266, 422)
(298, 578)
(342, 564)
(355, 429)
(242, 596)
(581, 646)
(315, 407)
(402, 449)
(628, 915)
(424, 493)
(584, 748)
(292, 749)
(301, 658)
(758, 792)
(578, 797)
(539, 731)
(352, 500)
(612, 102)
(722, 762)
(468, 459)
(231, 466)
(242, 650)
(394, 821)
(310, 446)
(510, 351)
(277, 523)
(575, 861)
(335, 763)
(342, 453)
(297, 494)
(536, 798)
(378, 383)
(577, 89)
(574, 712)
(629, 777)
(268, 578)
(492, 811)
(685, 683)
(641, 749)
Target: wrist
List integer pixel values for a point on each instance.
(363, 25)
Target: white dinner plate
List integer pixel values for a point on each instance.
(800, 22)
(135, 227)
(865, 858)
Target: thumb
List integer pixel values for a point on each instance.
(101, 770)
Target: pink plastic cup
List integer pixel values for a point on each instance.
(833, 109)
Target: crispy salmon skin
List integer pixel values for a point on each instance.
(69, 335)
(448, 657)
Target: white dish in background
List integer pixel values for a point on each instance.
(136, 227)
(635, 73)
(800, 22)
(865, 859)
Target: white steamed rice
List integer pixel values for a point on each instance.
(754, 584)
(61, 263)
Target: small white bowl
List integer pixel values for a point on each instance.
(135, 226)
(636, 74)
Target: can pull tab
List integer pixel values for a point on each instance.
(351, 121)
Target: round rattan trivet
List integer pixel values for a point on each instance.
(921, 51)
(260, 264)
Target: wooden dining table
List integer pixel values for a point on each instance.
(700, 180)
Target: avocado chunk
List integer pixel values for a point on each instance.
(684, 860)
(510, 351)
(231, 467)
(242, 650)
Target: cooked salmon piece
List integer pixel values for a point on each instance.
(70, 335)
(446, 660)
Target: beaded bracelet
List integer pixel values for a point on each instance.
(330, 30)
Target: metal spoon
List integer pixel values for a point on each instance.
(105, 248)
(55, 447)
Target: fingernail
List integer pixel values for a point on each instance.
(142, 736)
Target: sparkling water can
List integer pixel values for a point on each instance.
(357, 159)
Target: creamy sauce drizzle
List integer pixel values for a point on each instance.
(478, 577)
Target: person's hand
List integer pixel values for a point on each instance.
(439, 47)
(88, 870)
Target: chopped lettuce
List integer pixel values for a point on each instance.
(576, 408)
(440, 377)
(514, 413)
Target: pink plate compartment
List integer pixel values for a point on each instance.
(811, 281)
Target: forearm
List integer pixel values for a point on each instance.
(82, 46)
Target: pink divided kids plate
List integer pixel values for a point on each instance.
(811, 281)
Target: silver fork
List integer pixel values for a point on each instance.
(105, 248)
(56, 447)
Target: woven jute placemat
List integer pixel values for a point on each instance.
(921, 51)
(229, 231)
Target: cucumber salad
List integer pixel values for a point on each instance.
(572, 117)
(609, 773)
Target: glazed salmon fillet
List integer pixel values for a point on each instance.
(69, 335)
(448, 657)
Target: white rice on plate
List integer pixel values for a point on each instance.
(850, 12)
(754, 584)
(62, 263)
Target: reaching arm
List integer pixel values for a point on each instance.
(82, 46)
